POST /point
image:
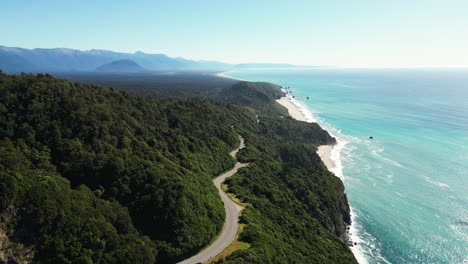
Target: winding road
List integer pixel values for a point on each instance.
(231, 225)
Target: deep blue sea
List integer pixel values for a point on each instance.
(408, 187)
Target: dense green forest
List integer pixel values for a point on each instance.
(259, 95)
(96, 175)
(297, 209)
(164, 84)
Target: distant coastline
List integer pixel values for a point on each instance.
(223, 75)
(329, 154)
(297, 112)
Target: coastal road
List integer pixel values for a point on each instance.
(231, 225)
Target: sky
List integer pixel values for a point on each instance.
(350, 33)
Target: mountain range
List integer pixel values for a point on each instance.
(121, 66)
(13, 59)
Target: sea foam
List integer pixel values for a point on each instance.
(337, 169)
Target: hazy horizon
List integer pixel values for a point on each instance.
(400, 34)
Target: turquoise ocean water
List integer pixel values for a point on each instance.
(408, 187)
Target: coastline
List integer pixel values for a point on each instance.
(330, 155)
(297, 112)
(223, 75)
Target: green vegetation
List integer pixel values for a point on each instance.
(260, 96)
(298, 209)
(160, 85)
(101, 176)
(156, 158)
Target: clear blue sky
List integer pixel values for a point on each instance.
(376, 33)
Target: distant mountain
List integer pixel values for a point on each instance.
(11, 62)
(49, 60)
(69, 60)
(120, 66)
(15, 60)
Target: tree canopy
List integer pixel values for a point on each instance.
(98, 175)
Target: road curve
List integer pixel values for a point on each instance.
(231, 225)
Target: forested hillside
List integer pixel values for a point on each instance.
(155, 158)
(260, 96)
(93, 175)
(297, 210)
(257, 95)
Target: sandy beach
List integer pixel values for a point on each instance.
(296, 112)
(222, 75)
(293, 110)
(325, 153)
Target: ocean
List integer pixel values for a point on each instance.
(408, 186)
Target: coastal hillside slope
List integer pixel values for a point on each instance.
(93, 175)
(257, 95)
(297, 209)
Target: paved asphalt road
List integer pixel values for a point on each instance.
(231, 224)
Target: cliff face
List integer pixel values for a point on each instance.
(346, 216)
(10, 251)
